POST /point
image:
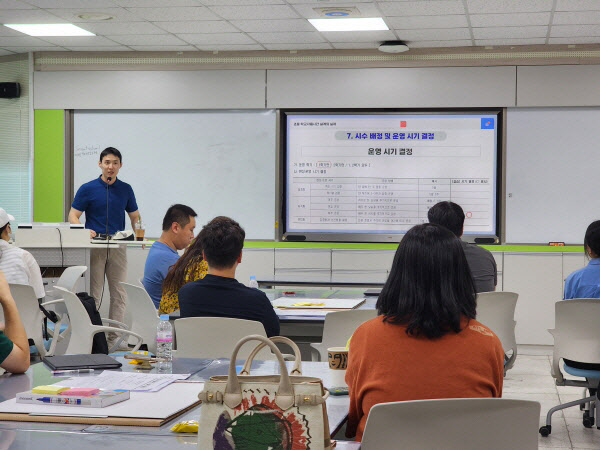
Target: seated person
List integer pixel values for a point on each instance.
(14, 347)
(481, 262)
(219, 294)
(178, 231)
(585, 282)
(425, 343)
(18, 265)
(190, 267)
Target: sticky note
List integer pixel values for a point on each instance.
(81, 392)
(308, 304)
(53, 389)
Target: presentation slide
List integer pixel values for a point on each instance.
(380, 173)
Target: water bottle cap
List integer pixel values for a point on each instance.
(253, 277)
(164, 317)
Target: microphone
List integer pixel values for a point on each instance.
(108, 178)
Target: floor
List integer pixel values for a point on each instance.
(530, 379)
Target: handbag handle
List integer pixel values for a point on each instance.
(297, 369)
(284, 397)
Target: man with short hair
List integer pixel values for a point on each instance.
(178, 231)
(19, 265)
(107, 218)
(219, 294)
(481, 262)
(14, 346)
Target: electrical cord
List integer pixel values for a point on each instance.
(107, 246)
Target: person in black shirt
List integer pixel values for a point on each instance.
(219, 294)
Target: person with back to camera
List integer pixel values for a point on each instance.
(190, 267)
(585, 282)
(219, 294)
(481, 262)
(425, 343)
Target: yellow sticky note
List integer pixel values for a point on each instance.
(52, 389)
(308, 304)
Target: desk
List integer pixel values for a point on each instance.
(27, 435)
(270, 284)
(305, 329)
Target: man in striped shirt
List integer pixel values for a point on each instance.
(18, 265)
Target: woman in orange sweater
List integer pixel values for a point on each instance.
(425, 343)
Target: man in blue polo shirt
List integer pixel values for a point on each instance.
(178, 231)
(102, 218)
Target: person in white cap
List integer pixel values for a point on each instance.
(18, 265)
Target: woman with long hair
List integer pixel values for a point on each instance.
(425, 342)
(190, 267)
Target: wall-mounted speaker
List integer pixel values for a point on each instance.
(10, 90)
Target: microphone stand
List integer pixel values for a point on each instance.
(108, 180)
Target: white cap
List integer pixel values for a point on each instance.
(5, 217)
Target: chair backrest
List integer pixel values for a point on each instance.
(144, 317)
(81, 325)
(453, 424)
(70, 277)
(29, 311)
(339, 326)
(215, 337)
(496, 310)
(576, 332)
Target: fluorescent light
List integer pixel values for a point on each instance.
(358, 24)
(50, 29)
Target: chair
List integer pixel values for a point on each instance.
(453, 424)
(144, 317)
(215, 337)
(32, 317)
(338, 328)
(496, 310)
(82, 329)
(577, 338)
(69, 278)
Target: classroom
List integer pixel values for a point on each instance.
(199, 117)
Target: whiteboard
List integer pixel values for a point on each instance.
(552, 169)
(217, 162)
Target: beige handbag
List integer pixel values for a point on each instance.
(262, 412)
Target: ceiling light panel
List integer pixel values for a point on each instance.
(359, 24)
(50, 29)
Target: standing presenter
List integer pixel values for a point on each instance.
(104, 202)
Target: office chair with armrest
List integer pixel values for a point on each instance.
(144, 316)
(32, 317)
(338, 328)
(83, 331)
(453, 424)
(496, 310)
(576, 338)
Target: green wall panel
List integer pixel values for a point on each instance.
(48, 165)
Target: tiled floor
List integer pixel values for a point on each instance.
(530, 379)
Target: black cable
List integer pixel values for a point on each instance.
(107, 249)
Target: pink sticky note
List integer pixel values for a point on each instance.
(81, 392)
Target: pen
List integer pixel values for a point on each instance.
(62, 372)
(64, 401)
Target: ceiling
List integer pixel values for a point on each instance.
(249, 25)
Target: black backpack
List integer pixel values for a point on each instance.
(99, 344)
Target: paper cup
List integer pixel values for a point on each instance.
(338, 362)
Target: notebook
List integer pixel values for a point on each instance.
(94, 361)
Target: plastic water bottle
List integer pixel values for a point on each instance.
(253, 283)
(164, 343)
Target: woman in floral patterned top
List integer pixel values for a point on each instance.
(189, 267)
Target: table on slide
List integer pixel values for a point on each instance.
(26, 435)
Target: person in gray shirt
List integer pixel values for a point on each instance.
(481, 262)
